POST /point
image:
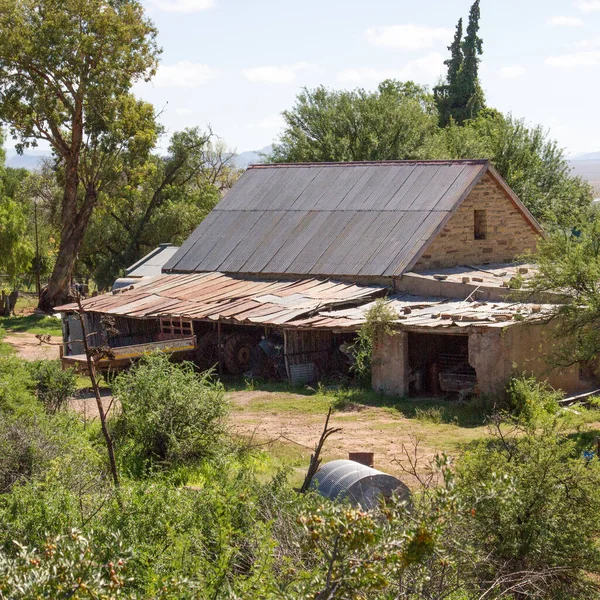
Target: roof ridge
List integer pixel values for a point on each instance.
(359, 163)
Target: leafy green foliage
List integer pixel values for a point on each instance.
(518, 512)
(404, 551)
(160, 199)
(461, 98)
(379, 319)
(53, 385)
(67, 567)
(530, 400)
(327, 125)
(536, 511)
(532, 164)
(569, 265)
(15, 384)
(17, 250)
(170, 413)
(66, 70)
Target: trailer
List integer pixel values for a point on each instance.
(123, 356)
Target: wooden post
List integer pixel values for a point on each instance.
(219, 347)
(285, 355)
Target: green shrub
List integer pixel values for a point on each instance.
(53, 385)
(379, 319)
(170, 414)
(535, 512)
(530, 400)
(66, 567)
(433, 414)
(36, 447)
(16, 386)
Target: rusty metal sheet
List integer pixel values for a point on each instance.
(235, 299)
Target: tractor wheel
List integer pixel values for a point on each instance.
(207, 351)
(238, 353)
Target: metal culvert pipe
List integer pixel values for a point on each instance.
(361, 485)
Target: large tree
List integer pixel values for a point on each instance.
(328, 125)
(531, 162)
(66, 68)
(569, 265)
(460, 97)
(160, 200)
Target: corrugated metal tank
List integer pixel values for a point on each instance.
(362, 485)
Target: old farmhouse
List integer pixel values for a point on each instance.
(276, 280)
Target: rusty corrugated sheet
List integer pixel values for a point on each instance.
(307, 219)
(235, 299)
(431, 313)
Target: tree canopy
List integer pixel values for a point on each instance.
(159, 200)
(460, 97)
(529, 160)
(66, 68)
(328, 125)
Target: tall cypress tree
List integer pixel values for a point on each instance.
(461, 98)
(471, 95)
(454, 63)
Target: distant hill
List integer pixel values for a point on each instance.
(242, 160)
(31, 160)
(587, 166)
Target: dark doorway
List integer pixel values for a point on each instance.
(439, 364)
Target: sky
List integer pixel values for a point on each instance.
(237, 64)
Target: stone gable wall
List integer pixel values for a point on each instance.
(509, 235)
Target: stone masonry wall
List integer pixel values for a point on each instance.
(509, 235)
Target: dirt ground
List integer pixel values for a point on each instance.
(29, 347)
(85, 404)
(391, 436)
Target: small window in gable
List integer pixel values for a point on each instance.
(480, 229)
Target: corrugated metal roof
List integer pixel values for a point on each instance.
(217, 296)
(422, 312)
(322, 219)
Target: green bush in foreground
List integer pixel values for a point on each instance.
(170, 413)
(516, 517)
(65, 568)
(53, 384)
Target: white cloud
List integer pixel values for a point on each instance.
(422, 69)
(565, 21)
(407, 37)
(575, 59)
(183, 74)
(183, 6)
(273, 74)
(184, 111)
(275, 121)
(588, 6)
(594, 43)
(512, 72)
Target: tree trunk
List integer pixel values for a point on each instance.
(72, 233)
(74, 222)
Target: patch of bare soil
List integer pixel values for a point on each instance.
(389, 437)
(85, 404)
(29, 347)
